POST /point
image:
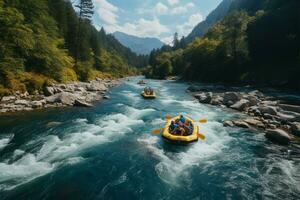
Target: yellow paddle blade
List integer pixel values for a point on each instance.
(168, 117)
(201, 136)
(203, 121)
(156, 131)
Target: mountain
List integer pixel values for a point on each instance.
(139, 45)
(210, 20)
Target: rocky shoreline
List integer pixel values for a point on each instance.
(279, 120)
(81, 94)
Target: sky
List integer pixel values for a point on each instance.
(151, 18)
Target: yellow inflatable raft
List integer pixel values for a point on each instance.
(180, 138)
(148, 96)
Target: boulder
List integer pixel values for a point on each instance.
(106, 97)
(278, 136)
(96, 86)
(48, 91)
(292, 108)
(254, 122)
(8, 98)
(268, 109)
(79, 103)
(241, 124)
(37, 104)
(204, 97)
(228, 123)
(253, 100)
(231, 98)
(256, 93)
(22, 102)
(240, 105)
(63, 97)
(217, 100)
(295, 128)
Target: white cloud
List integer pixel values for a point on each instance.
(161, 8)
(106, 11)
(168, 40)
(141, 27)
(187, 27)
(173, 2)
(182, 9)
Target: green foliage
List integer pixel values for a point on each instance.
(257, 42)
(40, 39)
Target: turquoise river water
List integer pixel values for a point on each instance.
(108, 152)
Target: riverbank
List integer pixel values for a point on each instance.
(81, 94)
(276, 116)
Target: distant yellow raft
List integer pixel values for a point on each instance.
(178, 138)
(148, 96)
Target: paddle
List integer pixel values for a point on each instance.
(201, 136)
(202, 121)
(156, 131)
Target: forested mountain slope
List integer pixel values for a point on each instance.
(258, 42)
(43, 41)
(210, 20)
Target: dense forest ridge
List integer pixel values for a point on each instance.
(257, 42)
(46, 41)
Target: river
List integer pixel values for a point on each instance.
(108, 152)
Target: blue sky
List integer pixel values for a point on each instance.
(151, 18)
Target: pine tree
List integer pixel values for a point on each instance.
(175, 41)
(86, 11)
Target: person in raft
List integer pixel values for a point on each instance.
(181, 126)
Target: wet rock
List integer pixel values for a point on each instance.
(253, 100)
(231, 98)
(295, 129)
(53, 124)
(240, 105)
(228, 124)
(106, 97)
(79, 103)
(255, 123)
(278, 136)
(256, 93)
(204, 97)
(291, 108)
(241, 124)
(217, 100)
(268, 109)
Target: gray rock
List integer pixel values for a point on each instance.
(217, 100)
(79, 103)
(241, 105)
(96, 86)
(256, 93)
(48, 91)
(278, 136)
(22, 102)
(228, 124)
(53, 124)
(241, 124)
(8, 98)
(254, 122)
(63, 97)
(253, 100)
(106, 97)
(230, 98)
(295, 128)
(268, 109)
(37, 104)
(291, 108)
(204, 97)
